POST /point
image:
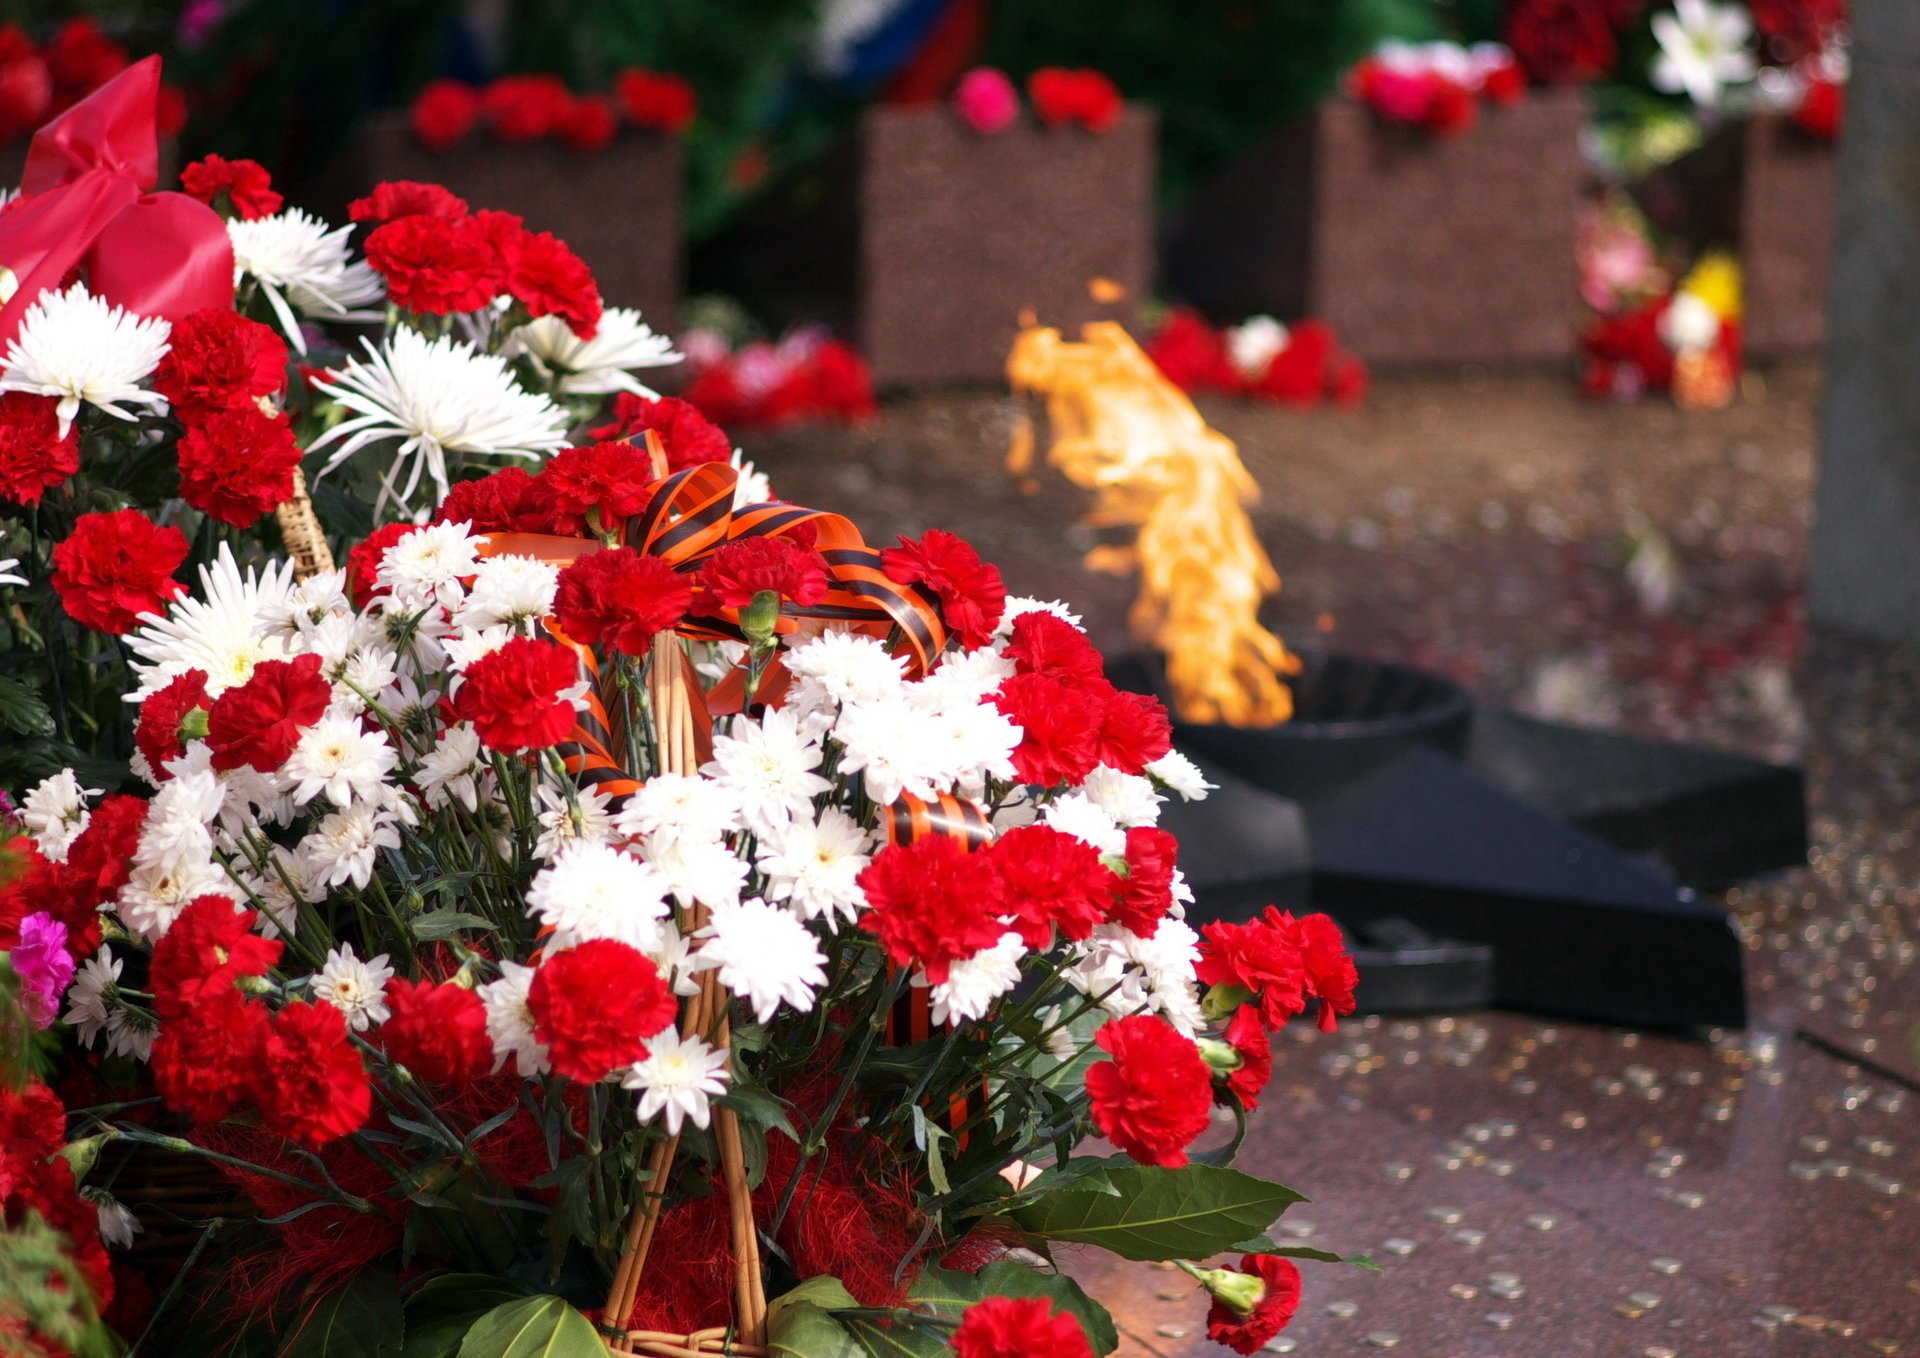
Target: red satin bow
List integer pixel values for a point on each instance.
(87, 204)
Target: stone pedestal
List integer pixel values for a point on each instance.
(618, 207)
(1419, 249)
(1866, 540)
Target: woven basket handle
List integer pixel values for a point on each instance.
(300, 530)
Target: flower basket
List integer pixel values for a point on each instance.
(618, 207)
(1417, 249)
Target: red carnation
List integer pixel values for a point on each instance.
(1085, 97)
(622, 598)
(656, 99)
(1276, 1298)
(932, 904)
(1799, 28)
(436, 265)
(311, 1085)
(439, 1032)
(245, 184)
(157, 735)
(210, 947)
(1297, 375)
(1451, 107)
(363, 562)
(1018, 1327)
(549, 279)
(598, 486)
(1331, 975)
(444, 113)
(205, 1059)
(116, 566)
(1259, 961)
(1156, 1094)
(1566, 41)
(1821, 110)
(519, 697)
(1059, 728)
(1143, 897)
(587, 122)
(972, 595)
(100, 860)
(1041, 643)
(82, 58)
(34, 455)
(524, 107)
(595, 1006)
(237, 464)
(1248, 1036)
(397, 198)
(690, 437)
(26, 86)
(1134, 731)
(1192, 354)
(744, 567)
(258, 723)
(511, 500)
(1053, 881)
(218, 358)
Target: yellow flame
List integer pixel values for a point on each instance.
(1122, 430)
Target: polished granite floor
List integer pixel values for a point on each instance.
(1538, 1189)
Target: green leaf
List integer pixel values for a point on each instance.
(533, 1327)
(1186, 1213)
(801, 1329)
(945, 1296)
(442, 1311)
(359, 1319)
(1261, 1244)
(21, 710)
(446, 923)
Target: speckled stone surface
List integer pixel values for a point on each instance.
(1532, 1188)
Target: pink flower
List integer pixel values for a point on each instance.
(986, 100)
(41, 962)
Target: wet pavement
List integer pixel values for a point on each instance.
(1533, 1188)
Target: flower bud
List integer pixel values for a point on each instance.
(1220, 1001)
(1222, 1058)
(1238, 1292)
(759, 617)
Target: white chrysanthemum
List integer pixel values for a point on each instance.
(467, 647)
(515, 590)
(971, 741)
(84, 350)
(1180, 776)
(895, 746)
(571, 816)
(94, 1008)
(221, 632)
(772, 766)
(764, 955)
(837, 668)
(599, 366)
(1076, 814)
(436, 397)
(1253, 344)
(362, 676)
(10, 576)
(1166, 961)
(597, 891)
(680, 804)
(287, 882)
(338, 757)
(56, 813)
(1020, 603)
(680, 1078)
(312, 601)
(815, 865)
(301, 264)
(357, 989)
(453, 770)
(703, 870)
(156, 892)
(345, 845)
(510, 1022)
(673, 955)
(1130, 800)
(974, 983)
(750, 488)
(180, 816)
(964, 679)
(427, 566)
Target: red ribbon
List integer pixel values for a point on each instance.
(87, 203)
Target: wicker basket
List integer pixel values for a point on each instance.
(300, 530)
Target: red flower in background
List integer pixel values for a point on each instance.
(26, 85)
(1279, 1298)
(605, 482)
(656, 99)
(157, 733)
(1192, 353)
(546, 277)
(34, 455)
(209, 949)
(436, 265)
(205, 1061)
(524, 107)
(520, 696)
(237, 464)
(1086, 97)
(1156, 1094)
(1799, 28)
(1018, 1327)
(972, 595)
(1262, 957)
(439, 1032)
(742, 568)
(1331, 975)
(116, 566)
(396, 198)
(257, 724)
(1561, 42)
(690, 437)
(1821, 110)
(621, 598)
(218, 358)
(444, 113)
(310, 1084)
(587, 122)
(595, 1005)
(245, 184)
(931, 904)
(1053, 881)
(81, 58)
(1143, 897)
(1247, 1036)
